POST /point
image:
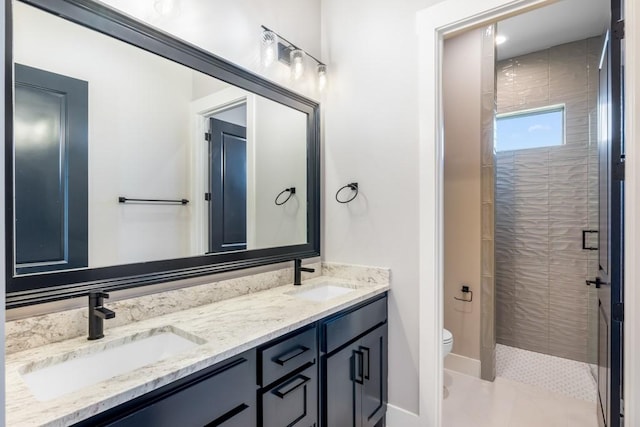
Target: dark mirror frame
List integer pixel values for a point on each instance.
(46, 287)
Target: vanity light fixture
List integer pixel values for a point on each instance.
(274, 46)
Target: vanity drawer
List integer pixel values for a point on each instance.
(347, 326)
(293, 402)
(224, 397)
(280, 358)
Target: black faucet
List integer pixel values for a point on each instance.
(97, 313)
(297, 271)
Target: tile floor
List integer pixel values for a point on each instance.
(471, 402)
(564, 376)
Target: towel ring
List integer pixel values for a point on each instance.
(465, 290)
(291, 192)
(353, 186)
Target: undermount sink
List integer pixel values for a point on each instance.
(322, 292)
(59, 375)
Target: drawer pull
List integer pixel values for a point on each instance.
(284, 358)
(287, 388)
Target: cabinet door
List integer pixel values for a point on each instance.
(373, 347)
(341, 391)
(243, 418)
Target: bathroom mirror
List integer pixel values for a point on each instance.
(137, 158)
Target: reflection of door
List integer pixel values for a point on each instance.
(611, 190)
(228, 187)
(50, 171)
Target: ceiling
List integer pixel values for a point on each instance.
(561, 22)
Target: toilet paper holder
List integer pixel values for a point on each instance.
(465, 290)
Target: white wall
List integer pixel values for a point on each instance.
(204, 85)
(371, 136)
(280, 162)
(231, 29)
(138, 135)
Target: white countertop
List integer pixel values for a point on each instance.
(229, 328)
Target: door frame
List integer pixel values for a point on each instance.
(200, 111)
(443, 20)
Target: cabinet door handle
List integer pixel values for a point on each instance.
(291, 354)
(288, 387)
(596, 282)
(365, 361)
(356, 366)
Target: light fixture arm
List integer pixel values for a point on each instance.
(291, 46)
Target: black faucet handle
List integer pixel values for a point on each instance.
(307, 269)
(104, 313)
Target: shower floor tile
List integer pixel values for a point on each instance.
(568, 377)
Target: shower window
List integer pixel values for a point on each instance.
(542, 127)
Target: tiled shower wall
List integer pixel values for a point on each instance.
(545, 197)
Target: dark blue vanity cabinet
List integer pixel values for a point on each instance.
(354, 367)
(332, 373)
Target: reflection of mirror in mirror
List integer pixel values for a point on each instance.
(144, 127)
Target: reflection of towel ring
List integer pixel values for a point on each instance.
(291, 192)
(353, 186)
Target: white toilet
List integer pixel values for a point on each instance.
(447, 342)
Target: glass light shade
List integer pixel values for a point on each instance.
(269, 47)
(167, 7)
(297, 63)
(322, 77)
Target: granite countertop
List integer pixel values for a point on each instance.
(227, 327)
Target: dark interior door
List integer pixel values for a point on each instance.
(51, 127)
(228, 187)
(611, 193)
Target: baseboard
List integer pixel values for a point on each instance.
(464, 365)
(398, 417)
